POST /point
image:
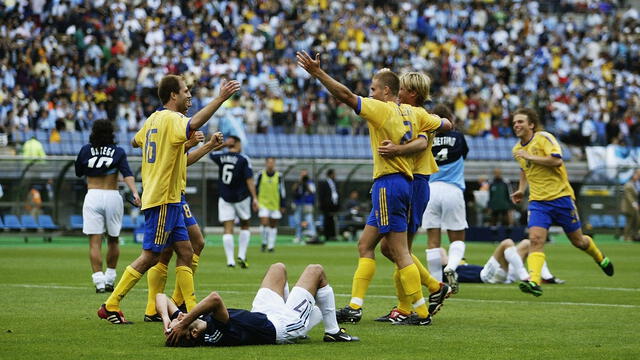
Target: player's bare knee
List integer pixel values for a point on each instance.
(507, 243)
(278, 267)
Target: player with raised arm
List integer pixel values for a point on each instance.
(276, 316)
(164, 170)
(237, 198)
(551, 198)
(391, 191)
(100, 161)
(271, 202)
(415, 90)
(157, 274)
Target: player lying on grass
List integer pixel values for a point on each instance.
(276, 316)
(505, 266)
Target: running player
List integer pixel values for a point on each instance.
(551, 198)
(391, 191)
(157, 275)
(237, 198)
(271, 201)
(276, 317)
(164, 168)
(100, 161)
(505, 266)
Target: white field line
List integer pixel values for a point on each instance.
(565, 303)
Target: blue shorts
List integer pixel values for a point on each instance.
(419, 201)
(391, 198)
(189, 219)
(163, 225)
(561, 211)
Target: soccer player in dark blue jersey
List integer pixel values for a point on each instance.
(276, 317)
(237, 197)
(100, 161)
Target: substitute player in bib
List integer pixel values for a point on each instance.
(157, 275)
(391, 191)
(551, 198)
(164, 170)
(100, 161)
(271, 201)
(277, 315)
(237, 197)
(415, 90)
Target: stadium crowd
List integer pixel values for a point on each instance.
(66, 63)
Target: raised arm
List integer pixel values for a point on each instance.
(552, 161)
(339, 91)
(194, 140)
(202, 116)
(446, 126)
(215, 143)
(389, 149)
(212, 304)
(165, 308)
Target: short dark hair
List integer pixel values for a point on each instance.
(443, 111)
(169, 84)
(102, 133)
(331, 172)
(237, 139)
(390, 79)
(186, 341)
(531, 115)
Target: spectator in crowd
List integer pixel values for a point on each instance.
(499, 200)
(304, 198)
(329, 200)
(630, 208)
(34, 202)
(33, 148)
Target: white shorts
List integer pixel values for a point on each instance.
(271, 214)
(446, 208)
(227, 211)
(492, 273)
(291, 319)
(100, 208)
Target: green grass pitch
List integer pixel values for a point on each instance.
(48, 307)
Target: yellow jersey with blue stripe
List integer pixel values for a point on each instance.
(545, 182)
(389, 121)
(164, 164)
(423, 162)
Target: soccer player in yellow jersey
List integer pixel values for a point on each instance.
(414, 90)
(164, 168)
(551, 198)
(391, 191)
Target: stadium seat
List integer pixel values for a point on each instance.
(140, 221)
(622, 221)
(42, 136)
(28, 222)
(55, 149)
(75, 222)
(2, 227)
(595, 221)
(45, 222)
(127, 223)
(18, 136)
(609, 221)
(66, 136)
(11, 222)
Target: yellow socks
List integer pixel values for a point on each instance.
(184, 280)
(177, 297)
(535, 262)
(425, 277)
(128, 280)
(156, 280)
(593, 250)
(404, 301)
(361, 279)
(410, 279)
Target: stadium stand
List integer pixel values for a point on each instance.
(11, 222)
(75, 222)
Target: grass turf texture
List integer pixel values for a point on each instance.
(49, 307)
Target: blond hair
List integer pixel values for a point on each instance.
(418, 83)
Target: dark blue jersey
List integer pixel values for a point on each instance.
(103, 160)
(234, 170)
(449, 147)
(243, 328)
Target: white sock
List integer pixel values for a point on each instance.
(227, 242)
(456, 253)
(314, 317)
(327, 303)
(546, 274)
(98, 279)
(264, 230)
(285, 291)
(273, 233)
(434, 263)
(515, 263)
(110, 276)
(243, 243)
